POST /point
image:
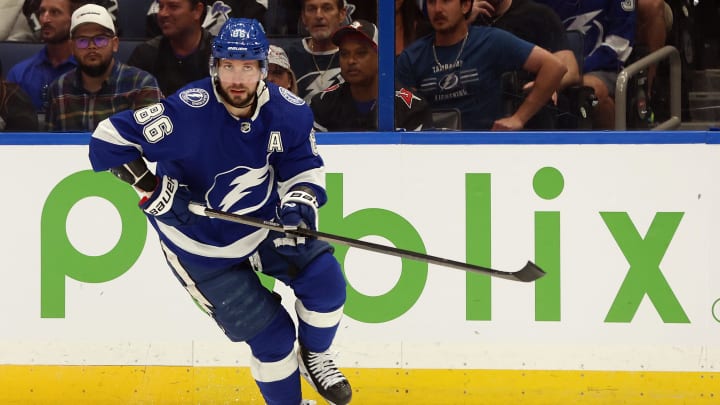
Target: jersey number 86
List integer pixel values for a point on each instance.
(156, 125)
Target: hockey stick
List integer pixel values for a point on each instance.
(530, 272)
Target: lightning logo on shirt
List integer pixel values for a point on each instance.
(580, 22)
(315, 82)
(246, 187)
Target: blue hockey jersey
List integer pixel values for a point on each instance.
(608, 26)
(233, 164)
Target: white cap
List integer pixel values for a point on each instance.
(278, 56)
(92, 13)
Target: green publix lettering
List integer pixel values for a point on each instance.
(59, 259)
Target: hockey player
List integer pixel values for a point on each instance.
(237, 143)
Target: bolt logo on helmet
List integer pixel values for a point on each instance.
(241, 38)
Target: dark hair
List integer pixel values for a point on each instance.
(467, 15)
(194, 3)
(340, 4)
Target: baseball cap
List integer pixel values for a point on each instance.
(364, 28)
(92, 13)
(278, 56)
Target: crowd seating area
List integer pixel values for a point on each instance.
(699, 90)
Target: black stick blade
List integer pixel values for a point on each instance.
(530, 272)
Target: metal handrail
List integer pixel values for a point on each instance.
(626, 74)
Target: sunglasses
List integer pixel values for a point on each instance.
(100, 41)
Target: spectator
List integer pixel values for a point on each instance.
(279, 71)
(30, 10)
(36, 73)
(537, 24)
(351, 106)
(609, 28)
(13, 25)
(533, 22)
(217, 12)
(314, 58)
(410, 24)
(358, 9)
(16, 110)
(460, 67)
(180, 55)
(101, 85)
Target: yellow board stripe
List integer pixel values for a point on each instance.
(110, 385)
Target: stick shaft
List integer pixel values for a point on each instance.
(529, 272)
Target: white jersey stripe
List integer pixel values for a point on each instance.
(313, 176)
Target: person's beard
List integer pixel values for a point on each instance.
(236, 101)
(57, 39)
(96, 70)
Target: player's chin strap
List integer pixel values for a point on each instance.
(255, 97)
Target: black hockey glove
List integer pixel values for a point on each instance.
(169, 203)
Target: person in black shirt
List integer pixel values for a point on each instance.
(181, 54)
(351, 105)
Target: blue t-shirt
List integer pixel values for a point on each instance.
(465, 76)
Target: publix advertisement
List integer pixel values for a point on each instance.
(626, 233)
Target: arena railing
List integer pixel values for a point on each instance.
(621, 87)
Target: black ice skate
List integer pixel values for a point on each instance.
(320, 372)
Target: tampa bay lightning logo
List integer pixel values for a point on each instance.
(290, 96)
(314, 82)
(242, 189)
(449, 81)
(195, 97)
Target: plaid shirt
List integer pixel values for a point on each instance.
(72, 108)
